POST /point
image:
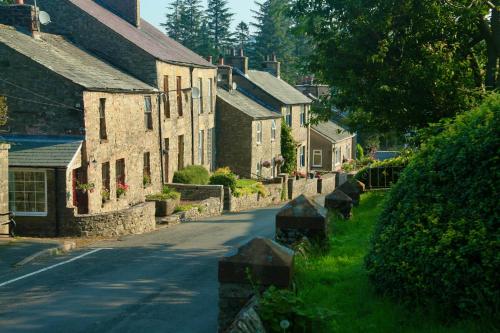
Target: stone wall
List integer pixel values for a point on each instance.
(135, 220)
(4, 187)
(326, 184)
(340, 178)
(248, 320)
(238, 204)
(198, 192)
(206, 208)
(306, 186)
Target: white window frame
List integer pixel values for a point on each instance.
(201, 144)
(200, 100)
(36, 214)
(210, 95)
(315, 152)
(338, 158)
(259, 132)
(288, 116)
(259, 169)
(302, 155)
(302, 115)
(273, 130)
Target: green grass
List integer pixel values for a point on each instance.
(338, 281)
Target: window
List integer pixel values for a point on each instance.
(317, 158)
(166, 148)
(200, 102)
(179, 96)
(273, 130)
(201, 147)
(302, 115)
(210, 95)
(146, 170)
(259, 169)
(211, 148)
(103, 135)
(348, 152)
(303, 156)
(337, 156)
(180, 156)
(288, 116)
(106, 176)
(148, 113)
(259, 132)
(28, 192)
(166, 96)
(120, 171)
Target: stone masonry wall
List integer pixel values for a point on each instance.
(253, 201)
(308, 187)
(199, 192)
(326, 184)
(268, 149)
(206, 208)
(135, 220)
(4, 187)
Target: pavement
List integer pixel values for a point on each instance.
(164, 281)
(14, 251)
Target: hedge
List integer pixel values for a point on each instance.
(194, 174)
(437, 241)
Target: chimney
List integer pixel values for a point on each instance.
(239, 61)
(272, 65)
(20, 16)
(210, 59)
(224, 75)
(129, 10)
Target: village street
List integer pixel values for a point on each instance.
(165, 281)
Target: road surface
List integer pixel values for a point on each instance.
(165, 281)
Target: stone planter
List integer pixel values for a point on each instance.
(165, 207)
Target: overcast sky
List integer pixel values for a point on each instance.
(154, 11)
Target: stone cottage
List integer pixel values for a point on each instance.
(279, 96)
(83, 134)
(331, 145)
(114, 30)
(248, 137)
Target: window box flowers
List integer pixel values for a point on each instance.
(85, 187)
(121, 189)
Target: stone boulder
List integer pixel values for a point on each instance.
(352, 191)
(299, 219)
(340, 202)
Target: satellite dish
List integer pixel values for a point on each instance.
(44, 18)
(195, 92)
(235, 86)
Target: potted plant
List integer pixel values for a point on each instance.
(121, 189)
(84, 187)
(266, 164)
(105, 195)
(146, 180)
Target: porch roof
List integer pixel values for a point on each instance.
(42, 151)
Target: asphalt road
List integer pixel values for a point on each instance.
(165, 281)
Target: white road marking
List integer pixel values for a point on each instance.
(52, 267)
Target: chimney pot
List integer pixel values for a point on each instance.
(221, 60)
(274, 57)
(242, 54)
(210, 59)
(19, 2)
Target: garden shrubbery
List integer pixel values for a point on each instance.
(437, 241)
(225, 177)
(194, 174)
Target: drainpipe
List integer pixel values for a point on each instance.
(56, 200)
(191, 70)
(160, 135)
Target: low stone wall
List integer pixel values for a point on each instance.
(206, 208)
(306, 186)
(198, 192)
(340, 178)
(4, 187)
(248, 320)
(326, 184)
(135, 220)
(275, 189)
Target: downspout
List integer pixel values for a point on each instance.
(56, 199)
(160, 134)
(191, 70)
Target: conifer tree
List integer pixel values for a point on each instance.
(173, 19)
(219, 25)
(242, 35)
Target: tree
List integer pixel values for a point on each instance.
(402, 64)
(273, 34)
(219, 24)
(205, 46)
(173, 25)
(288, 149)
(242, 34)
(183, 23)
(6, 2)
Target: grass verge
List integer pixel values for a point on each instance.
(338, 281)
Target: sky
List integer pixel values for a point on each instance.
(154, 11)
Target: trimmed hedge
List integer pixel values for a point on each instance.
(437, 241)
(193, 174)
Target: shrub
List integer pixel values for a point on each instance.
(360, 153)
(248, 187)
(194, 174)
(288, 149)
(438, 238)
(224, 177)
(166, 194)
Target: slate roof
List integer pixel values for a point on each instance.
(277, 88)
(246, 105)
(146, 37)
(66, 59)
(41, 151)
(332, 131)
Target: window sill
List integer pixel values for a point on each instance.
(149, 130)
(27, 214)
(103, 141)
